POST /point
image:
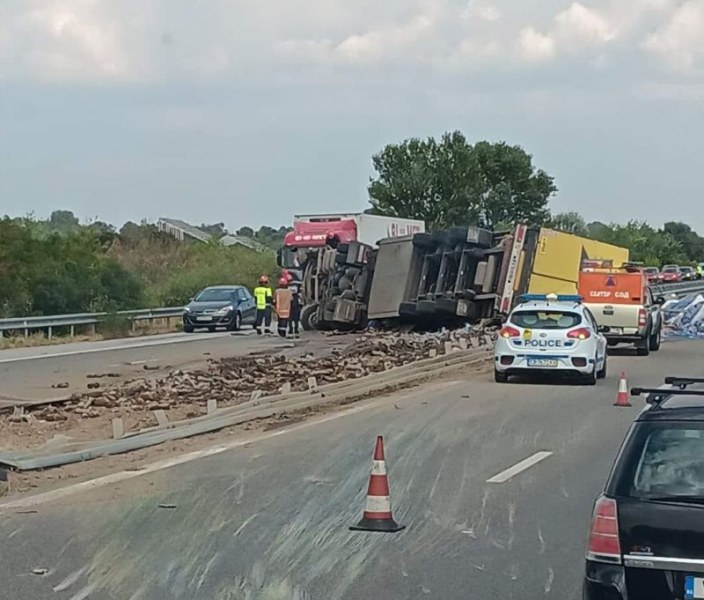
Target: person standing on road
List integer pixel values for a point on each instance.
(282, 303)
(264, 298)
(295, 318)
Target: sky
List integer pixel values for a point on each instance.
(250, 111)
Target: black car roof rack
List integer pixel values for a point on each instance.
(683, 382)
(657, 395)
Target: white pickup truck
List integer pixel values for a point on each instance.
(624, 308)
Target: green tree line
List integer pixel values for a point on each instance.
(59, 266)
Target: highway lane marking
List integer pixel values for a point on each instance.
(145, 344)
(120, 476)
(511, 472)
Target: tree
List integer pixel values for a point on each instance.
(451, 182)
(63, 222)
(245, 232)
(514, 191)
(569, 222)
(216, 230)
(691, 243)
(646, 245)
(437, 182)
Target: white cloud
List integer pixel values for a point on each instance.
(485, 11)
(575, 29)
(534, 46)
(380, 43)
(679, 43)
(64, 41)
(583, 26)
(130, 41)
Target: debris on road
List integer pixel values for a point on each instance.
(226, 382)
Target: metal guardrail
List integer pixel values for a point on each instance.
(51, 322)
(681, 288)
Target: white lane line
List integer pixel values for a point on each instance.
(145, 344)
(504, 476)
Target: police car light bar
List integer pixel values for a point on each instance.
(550, 298)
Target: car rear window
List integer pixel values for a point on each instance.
(538, 319)
(214, 295)
(663, 460)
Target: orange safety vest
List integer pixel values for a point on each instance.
(282, 301)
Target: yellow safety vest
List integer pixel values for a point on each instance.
(262, 294)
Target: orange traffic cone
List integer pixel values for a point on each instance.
(377, 514)
(622, 394)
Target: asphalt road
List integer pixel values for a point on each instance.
(34, 373)
(268, 521)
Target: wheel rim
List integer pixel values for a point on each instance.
(238, 320)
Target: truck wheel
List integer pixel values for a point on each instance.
(309, 317)
(654, 342)
(643, 346)
(423, 240)
(500, 377)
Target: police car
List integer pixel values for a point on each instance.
(550, 335)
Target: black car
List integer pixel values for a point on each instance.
(220, 306)
(647, 534)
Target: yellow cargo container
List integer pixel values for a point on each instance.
(544, 261)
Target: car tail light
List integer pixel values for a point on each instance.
(642, 317)
(509, 332)
(604, 544)
(579, 334)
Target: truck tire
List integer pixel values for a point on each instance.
(423, 240)
(309, 317)
(457, 235)
(654, 341)
(643, 346)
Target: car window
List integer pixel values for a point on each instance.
(590, 318)
(241, 295)
(214, 295)
(538, 319)
(665, 459)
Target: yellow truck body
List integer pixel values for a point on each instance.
(544, 261)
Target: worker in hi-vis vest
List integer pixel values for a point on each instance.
(282, 304)
(265, 298)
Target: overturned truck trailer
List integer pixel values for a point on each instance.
(441, 278)
(466, 274)
(448, 277)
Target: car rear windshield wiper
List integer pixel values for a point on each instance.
(682, 499)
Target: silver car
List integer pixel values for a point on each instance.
(550, 336)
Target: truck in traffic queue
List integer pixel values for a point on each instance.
(331, 258)
(622, 304)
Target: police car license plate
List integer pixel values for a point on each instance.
(542, 362)
(693, 587)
